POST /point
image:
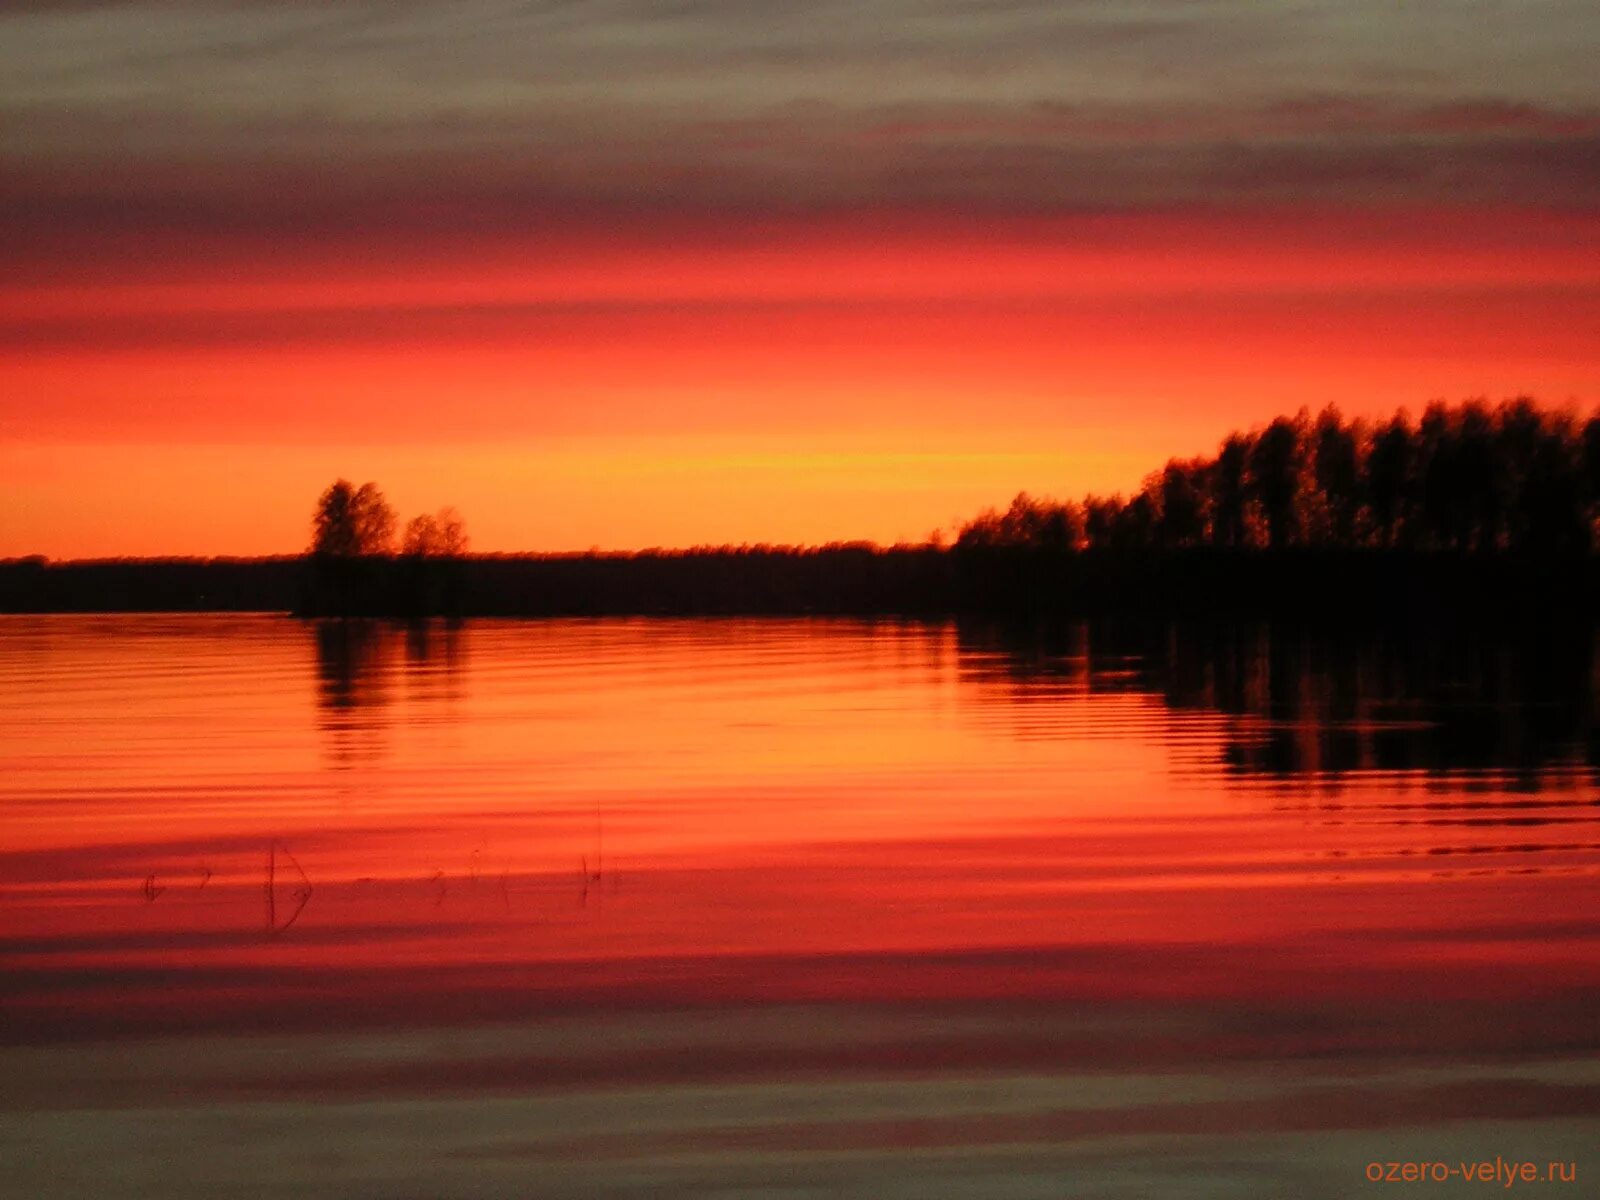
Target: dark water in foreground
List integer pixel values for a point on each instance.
(791, 908)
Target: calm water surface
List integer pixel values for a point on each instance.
(790, 907)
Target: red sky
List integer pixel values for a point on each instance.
(739, 281)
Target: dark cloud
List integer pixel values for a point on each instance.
(148, 129)
(421, 60)
(1567, 318)
(498, 180)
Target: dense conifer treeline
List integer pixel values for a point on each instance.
(1468, 477)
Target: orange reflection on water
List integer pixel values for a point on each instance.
(480, 822)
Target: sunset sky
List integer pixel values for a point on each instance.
(634, 273)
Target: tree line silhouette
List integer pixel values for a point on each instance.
(1469, 477)
(1472, 508)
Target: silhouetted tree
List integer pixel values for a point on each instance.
(1337, 467)
(1182, 503)
(1227, 477)
(352, 522)
(1388, 471)
(1272, 479)
(1100, 519)
(1589, 472)
(1134, 523)
(439, 535)
(430, 563)
(352, 535)
(1459, 487)
(1040, 524)
(1545, 505)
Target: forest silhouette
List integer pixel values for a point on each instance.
(1468, 477)
(1474, 508)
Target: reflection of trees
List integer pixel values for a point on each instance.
(352, 671)
(435, 656)
(1437, 701)
(358, 664)
(1432, 700)
(355, 673)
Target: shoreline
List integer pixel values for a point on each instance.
(910, 582)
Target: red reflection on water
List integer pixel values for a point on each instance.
(252, 823)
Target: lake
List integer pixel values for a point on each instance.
(789, 907)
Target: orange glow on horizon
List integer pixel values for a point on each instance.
(800, 383)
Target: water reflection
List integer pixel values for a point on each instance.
(1511, 711)
(360, 665)
(804, 852)
(1273, 702)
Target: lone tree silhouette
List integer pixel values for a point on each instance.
(352, 522)
(352, 539)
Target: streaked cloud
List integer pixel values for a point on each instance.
(304, 121)
(389, 223)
